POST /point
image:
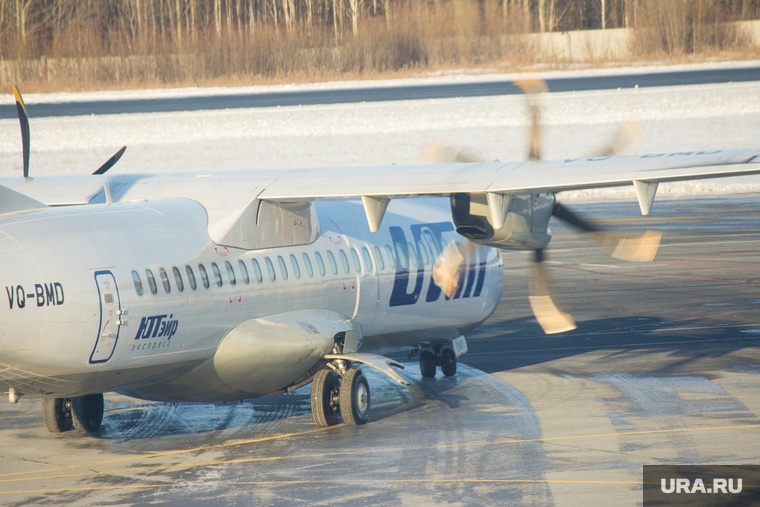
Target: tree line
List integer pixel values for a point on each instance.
(284, 36)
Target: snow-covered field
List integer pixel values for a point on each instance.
(672, 119)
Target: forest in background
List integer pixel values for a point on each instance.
(195, 41)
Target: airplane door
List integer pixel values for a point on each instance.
(110, 317)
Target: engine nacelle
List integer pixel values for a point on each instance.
(526, 223)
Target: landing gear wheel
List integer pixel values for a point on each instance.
(427, 364)
(87, 412)
(325, 395)
(448, 362)
(354, 398)
(56, 412)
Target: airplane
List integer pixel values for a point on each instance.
(220, 286)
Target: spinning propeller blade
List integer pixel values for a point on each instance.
(448, 267)
(549, 317)
(638, 248)
(532, 87)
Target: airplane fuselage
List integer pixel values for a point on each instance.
(136, 297)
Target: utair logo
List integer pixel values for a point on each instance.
(157, 326)
(686, 486)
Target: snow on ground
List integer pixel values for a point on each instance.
(575, 124)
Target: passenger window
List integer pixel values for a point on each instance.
(379, 258)
(257, 270)
(320, 263)
(307, 265)
(333, 264)
(391, 257)
(270, 269)
(191, 277)
(138, 283)
(204, 276)
(357, 262)
(401, 257)
(178, 279)
(367, 258)
(423, 252)
(344, 261)
(151, 281)
(217, 274)
(230, 273)
(283, 267)
(165, 280)
(244, 272)
(412, 254)
(296, 268)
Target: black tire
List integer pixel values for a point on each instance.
(427, 364)
(354, 398)
(448, 362)
(324, 402)
(56, 412)
(87, 412)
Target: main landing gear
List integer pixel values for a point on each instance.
(334, 396)
(438, 356)
(85, 413)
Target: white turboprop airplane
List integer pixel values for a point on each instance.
(233, 285)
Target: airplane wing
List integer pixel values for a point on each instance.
(513, 178)
(508, 178)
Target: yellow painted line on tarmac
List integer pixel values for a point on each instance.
(373, 451)
(183, 451)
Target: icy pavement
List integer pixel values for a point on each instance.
(575, 124)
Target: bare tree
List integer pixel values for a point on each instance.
(353, 11)
(218, 18)
(541, 15)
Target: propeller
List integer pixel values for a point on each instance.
(442, 153)
(639, 248)
(627, 135)
(448, 267)
(111, 161)
(23, 119)
(531, 88)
